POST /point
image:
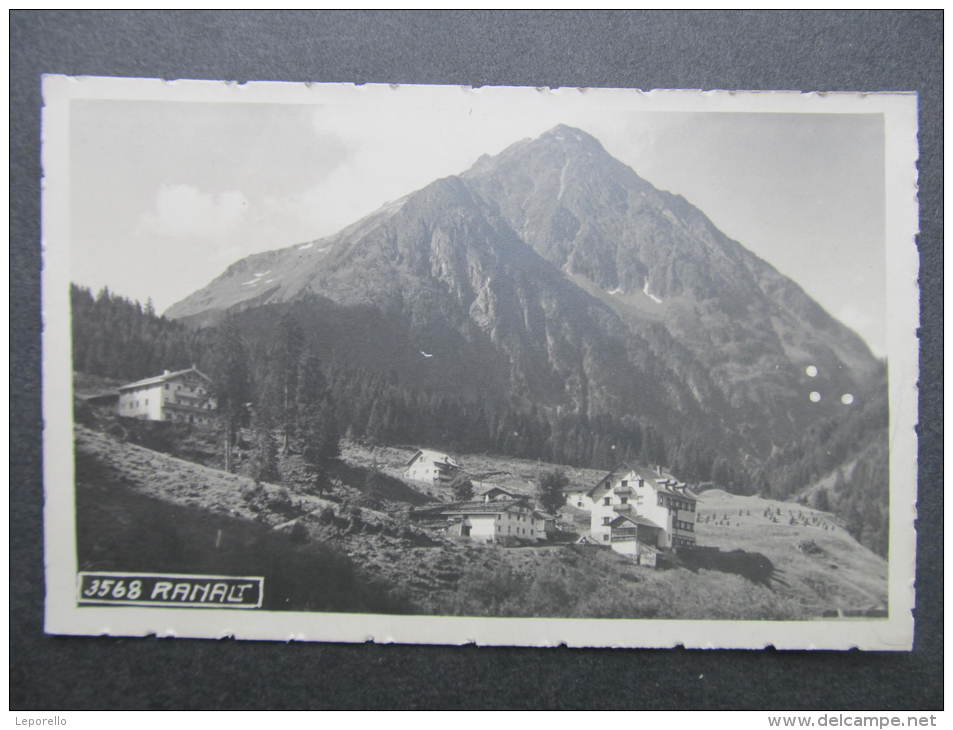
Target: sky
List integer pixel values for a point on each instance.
(165, 195)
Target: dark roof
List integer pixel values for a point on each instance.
(635, 520)
(504, 491)
(477, 508)
(107, 396)
(163, 378)
(437, 457)
(623, 468)
(626, 467)
(686, 494)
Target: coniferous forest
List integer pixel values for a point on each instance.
(309, 395)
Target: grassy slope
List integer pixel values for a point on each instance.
(519, 474)
(372, 561)
(844, 574)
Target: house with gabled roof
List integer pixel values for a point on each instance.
(641, 492)
(635, 536)
(183, 396)
(431, 467)
(496, 494)
(487, 521)
(577, 496)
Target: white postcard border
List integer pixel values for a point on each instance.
(63, 616)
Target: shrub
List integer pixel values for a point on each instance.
(281, 503)
(551, 484)
(461, 487)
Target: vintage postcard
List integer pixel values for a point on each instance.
(512, 366)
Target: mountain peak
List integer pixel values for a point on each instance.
(567, 135)
(546, 154)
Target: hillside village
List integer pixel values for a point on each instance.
(448, 515)
(634, 512)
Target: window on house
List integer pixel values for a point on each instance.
(606, 520)
(579, 503)
(625, 482)
(606, 501)
(625, 500)
(605, 538)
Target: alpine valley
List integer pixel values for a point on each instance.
(550, 303)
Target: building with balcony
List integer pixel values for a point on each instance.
(635, 536)
(661, 500)
(182, 396)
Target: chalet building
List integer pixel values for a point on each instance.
(658, 499)
(635, 536)
(498, 494)
(578, 497)
(501, 520)
(182, 396)
(431, 467)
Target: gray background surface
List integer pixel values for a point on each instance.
(817, 50)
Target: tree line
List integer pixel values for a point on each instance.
(272, 375)
(272, 380)
(273, 385)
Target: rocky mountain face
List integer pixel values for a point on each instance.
(553, 276)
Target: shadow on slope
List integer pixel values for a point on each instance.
(753, 566)
(376, 485)
(119, 529)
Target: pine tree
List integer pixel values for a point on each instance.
(316, 427)
(287, 356)
(231, 383)
(462, 487)
(551, 484)
(266, 456)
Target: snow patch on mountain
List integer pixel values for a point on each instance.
(650, 295)
(562, 179)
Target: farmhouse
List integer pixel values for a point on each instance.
(431, 467)
(490, 521)
(498, 494)
(660, 500)
(577, 496)
(182, 396)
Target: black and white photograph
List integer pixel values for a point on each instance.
(506, 365)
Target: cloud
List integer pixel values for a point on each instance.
(185, 212)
